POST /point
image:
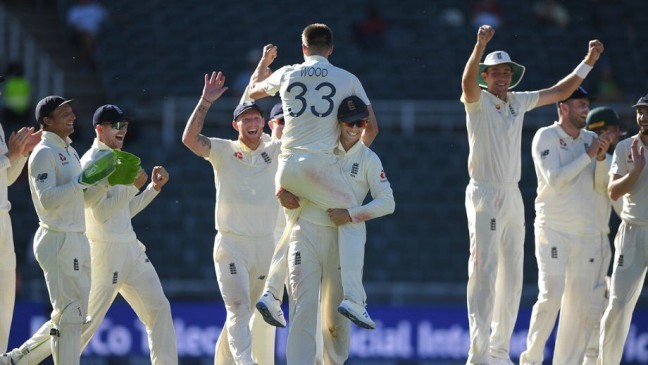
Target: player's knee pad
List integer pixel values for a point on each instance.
(66, 337)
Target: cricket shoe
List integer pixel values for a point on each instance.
(357, 314)
(6, 359)
(270, 308)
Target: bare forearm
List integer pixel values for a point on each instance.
(191, 137)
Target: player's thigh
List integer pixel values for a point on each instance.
(231, 272)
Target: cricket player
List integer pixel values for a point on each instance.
(57, 183)
(311, 93)
(246, 214)
(628, 180)
(494, 207)
(119, 262)
(601, 120)
(314, 253)
(571, 170)
(13, 156)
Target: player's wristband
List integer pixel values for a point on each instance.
(582, 70)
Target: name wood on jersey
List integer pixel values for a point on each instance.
(314, 71)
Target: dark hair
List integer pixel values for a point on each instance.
(317, 37)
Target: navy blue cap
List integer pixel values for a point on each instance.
(277, 111)
(579, 93)
(109, 114)
(248, 105)
(351, 109)
(46, 106)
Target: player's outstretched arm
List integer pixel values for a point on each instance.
(469, 87)
(565, 87)
(262, 72)
(192, 137)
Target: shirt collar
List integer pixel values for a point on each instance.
(54, 139)
(563, 134)
(316, 58)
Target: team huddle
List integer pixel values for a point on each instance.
(290, 212)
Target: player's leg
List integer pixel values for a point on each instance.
(508, 284)
(571, 336)
(35, 349)
(234, 285)
(628, 277)
(222, 352)
(305, 272)
(482, 270)
(600, 296)
(65, 260)
(263, 334)
(7, 279)
(336, 330)
(143, 292)
(551, 251)
(351, 266)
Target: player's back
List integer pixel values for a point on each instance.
(311, 93)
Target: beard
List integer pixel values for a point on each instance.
(643, 130)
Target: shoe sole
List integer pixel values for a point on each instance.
(267, 316)
(343, 311)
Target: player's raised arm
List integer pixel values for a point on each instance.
(565, 87)
(262, 72)
(192, 137)
(469, 87)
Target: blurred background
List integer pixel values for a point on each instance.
(149, 57)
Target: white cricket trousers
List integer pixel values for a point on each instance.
(124, 268)
(599, 297)
(628, 275)
(7, 278)
(496, 226)
(64, 258)
(242, 264)
(314, 275)
(318, 177)
(263, 343)
(566, 267)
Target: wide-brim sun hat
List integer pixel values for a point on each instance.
(498, 58)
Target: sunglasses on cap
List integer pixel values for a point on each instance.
(117, 125)
(279, 121)
(358, 123)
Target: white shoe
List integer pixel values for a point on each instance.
(357, 314)
(5, 359)
(500, 361)
(270, 309)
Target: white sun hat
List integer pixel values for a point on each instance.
(496, 58)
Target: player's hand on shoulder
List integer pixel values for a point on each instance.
(159, 177)
(141, 179)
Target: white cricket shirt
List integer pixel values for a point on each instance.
(364, 171)
(311, 93)
(569, 181)
(495, 135)
(8, 172)
(246, 204)
(108, 214)
(635, 202)
(54, 168)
